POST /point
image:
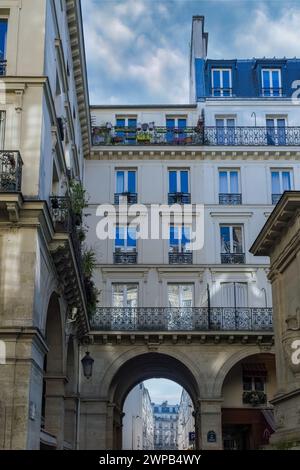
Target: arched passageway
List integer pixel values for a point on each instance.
(139, 369)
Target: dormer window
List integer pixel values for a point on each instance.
(221, 82)
(271, 82)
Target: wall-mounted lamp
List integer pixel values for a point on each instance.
(87, 365)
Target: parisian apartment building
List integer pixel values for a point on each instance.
(84, 320)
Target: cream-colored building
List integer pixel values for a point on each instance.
(186, 423)
(45, 135)
(138, 422)
(280, 239)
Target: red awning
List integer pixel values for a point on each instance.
(256, 369)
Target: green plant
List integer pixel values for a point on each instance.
(78, 197)
(89, 262)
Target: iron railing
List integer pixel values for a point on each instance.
(215, 136)
(275, 198)
(125, 257)
(185, 257)
(223, 92)
(10, 171)
(233, 258)
(276, 91)
(227, 199)
(3, 64)
(179, 198)
(130, 198)
(182, 319)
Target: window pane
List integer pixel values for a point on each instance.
(226, 79)
(118, 295)
(234, 182)
(186, 298)
(266, 82)
(174, 241)
(184, 181)
(131, 237)
(186, 237)
(3, 35)
(223, 185)
(247, 383)
(131, 181)
(172, 181)
(216, 79)
(132, 295)
(275, 82)
(170, 123)
(182, 123)
(259, 384)
(237, 240)
(225, 239)
(173, 295)
(275, 183)
(120, 237)
(286, 181)
(120, 182)
(132, 122)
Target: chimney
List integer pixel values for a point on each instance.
(198, 54)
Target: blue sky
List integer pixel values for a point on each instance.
(163, 390)
(138, 50)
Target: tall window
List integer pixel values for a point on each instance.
(271, 82)
(234, 294)
(125, 181)
(225, 131)
(125, 295)
(176, 129)
(276, 132)
(125, 238)
(229, 182)
(178, 181)
(221, 82)
(232, 247)
(281, 181)
(3, 39)
(180, 237)
(123, 129)
(180, 295)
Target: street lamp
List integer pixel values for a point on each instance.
(87, 365)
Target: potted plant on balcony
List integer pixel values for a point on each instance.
(78, 200)
(254, 397)
(92, 293)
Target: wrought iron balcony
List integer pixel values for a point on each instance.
(10, 171)
(254, 397)
(227, 199)
(272, 91)
(185, 257)
(182, 319)
(198, 136)
(130, 198)
(275, 198)
(179, 198)
(3, 64)
(125, 257)
(233, 258)
(221, 92)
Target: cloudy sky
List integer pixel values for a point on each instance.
(161, 390)
(138, 50)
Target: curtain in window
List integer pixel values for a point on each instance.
(234, 182)
(275, 82)
(275, 183)
(172, 181)
(120, 182)
(184, 181)
(286, 181)
(3, 35)
(131, 181)
(223, 182)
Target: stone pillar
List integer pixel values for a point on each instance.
(209, 424)
(70, 421)
(55, 408)
(95, 432)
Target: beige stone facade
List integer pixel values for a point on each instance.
(280, 239)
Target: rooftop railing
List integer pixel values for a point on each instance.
(223, 136)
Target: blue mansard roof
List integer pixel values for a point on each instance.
(246, 76)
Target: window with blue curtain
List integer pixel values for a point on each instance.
(131, 136)
(182, 128)
(120, 182)
(275, 182)
(226, 82)
(125, 237)
(131, 181)
(120, 237)
(281, 181)
(178, 181)
(170, 129)
(180, 237)
(184, 181)
(223, 182)
(173, 182)
(131, 238)
(120, 123)
(234, 182)
(271, 82)
(286, 181)
(216, 82)
(125, 181)
(3, 37)
(275, 83)
(266, 82)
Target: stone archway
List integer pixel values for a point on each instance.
(247, 388)
(140, 368)
(54, 378)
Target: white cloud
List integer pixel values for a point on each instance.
(266, 36)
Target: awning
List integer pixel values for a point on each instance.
(256, 369)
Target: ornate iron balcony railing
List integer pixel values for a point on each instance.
(179, 198)
(10, 171)
(181, 258)
(230, 199)
(275, 198)
(3, 64)
(233, 258)
(125, 257)
(200, 135)
(254, 397)
(182, 319)
(131, 198)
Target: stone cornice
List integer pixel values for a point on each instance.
(193, 153)
(80, 73)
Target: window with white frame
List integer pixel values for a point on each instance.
(234, 294)
(125, 238)
(231, 239)
(124, 295)
(180, 239)
(126, 181)
(178, 181)
(229, 181)
(221, 82)
(180, 295)
(276, 130)
(225, 131)
(281, 180)
(271, 82)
